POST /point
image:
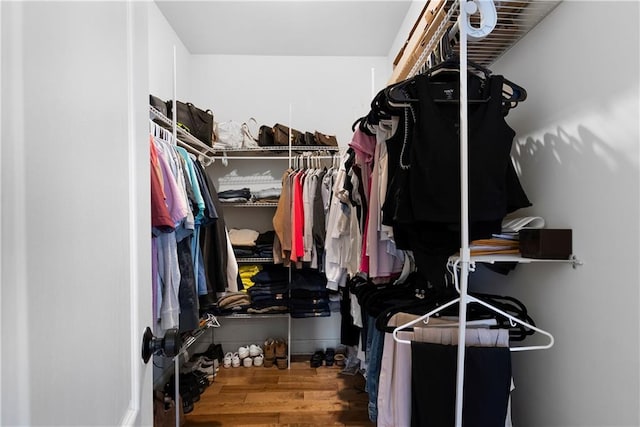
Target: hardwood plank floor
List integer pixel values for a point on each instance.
(296, 397)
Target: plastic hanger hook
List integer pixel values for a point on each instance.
(488, 18)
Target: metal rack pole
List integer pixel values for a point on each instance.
(464, 215)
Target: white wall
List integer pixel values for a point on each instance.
(162, 39)
(577, 149)
(326, 93)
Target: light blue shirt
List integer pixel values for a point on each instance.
(191, 173)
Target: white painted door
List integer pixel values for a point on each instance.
(75, 253)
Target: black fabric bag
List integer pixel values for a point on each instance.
(197, 122)
(158, 104)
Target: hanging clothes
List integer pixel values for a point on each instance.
(182, 206)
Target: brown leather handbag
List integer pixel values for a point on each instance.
(328, 140)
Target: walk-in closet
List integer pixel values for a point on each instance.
(475, 168)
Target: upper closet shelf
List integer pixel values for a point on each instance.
(185, 139)
(515, 18)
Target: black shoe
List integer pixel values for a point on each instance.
(329, 357)
(316, 359)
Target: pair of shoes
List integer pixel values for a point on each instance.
(258, 360)
(282, 362)
(255, 350)
(235, 360)
(247, 362)
(226, 362)
(243, 352)
(316, 359)
(329, 357)
(281, 353)
(213, 352)
(280, 347)
(269, 352)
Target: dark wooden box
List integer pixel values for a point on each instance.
(546, 243)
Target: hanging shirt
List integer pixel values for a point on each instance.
(193, 179)
(282, 222)
(160, 216)
(297, 219)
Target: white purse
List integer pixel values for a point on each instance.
(249, 141)
(230, 134)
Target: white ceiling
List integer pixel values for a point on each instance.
(289, 27)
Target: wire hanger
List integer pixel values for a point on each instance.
(184, 139)
(470, 300)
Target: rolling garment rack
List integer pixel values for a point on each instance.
(440, 22)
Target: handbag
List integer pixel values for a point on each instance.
(281, 135)
(310, 139)
(249, 141)
(265, 136)
(230, 134)
(328, 140)
(158, 104)
(197, 122)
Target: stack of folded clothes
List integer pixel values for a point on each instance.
(241, 195)
(309, 295)
(264, 245)
(270, 291)
(246, 273)
(268, 195)
(243, 242)
(251, 244)
(233, 302)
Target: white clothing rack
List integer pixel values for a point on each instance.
(488, 18)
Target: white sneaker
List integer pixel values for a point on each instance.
(235, 360)
(243, 352)
(258, 360)
(247, 362)
(226, 362)
(254, 350)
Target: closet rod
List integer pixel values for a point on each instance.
(268, 157)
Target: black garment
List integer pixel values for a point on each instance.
(188, 319)
(349, 333)
(319, 228)
(244, 193)
(213, 239)
(210, 210)
(434, 176)
(308, 279)
(433, 385)
(398, 151)
(272, 274)
(423, 193)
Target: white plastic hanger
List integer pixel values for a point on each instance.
(471, 299)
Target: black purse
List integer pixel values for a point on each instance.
(197, 122)
(158, 104)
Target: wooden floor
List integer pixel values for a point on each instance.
(299, 396)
